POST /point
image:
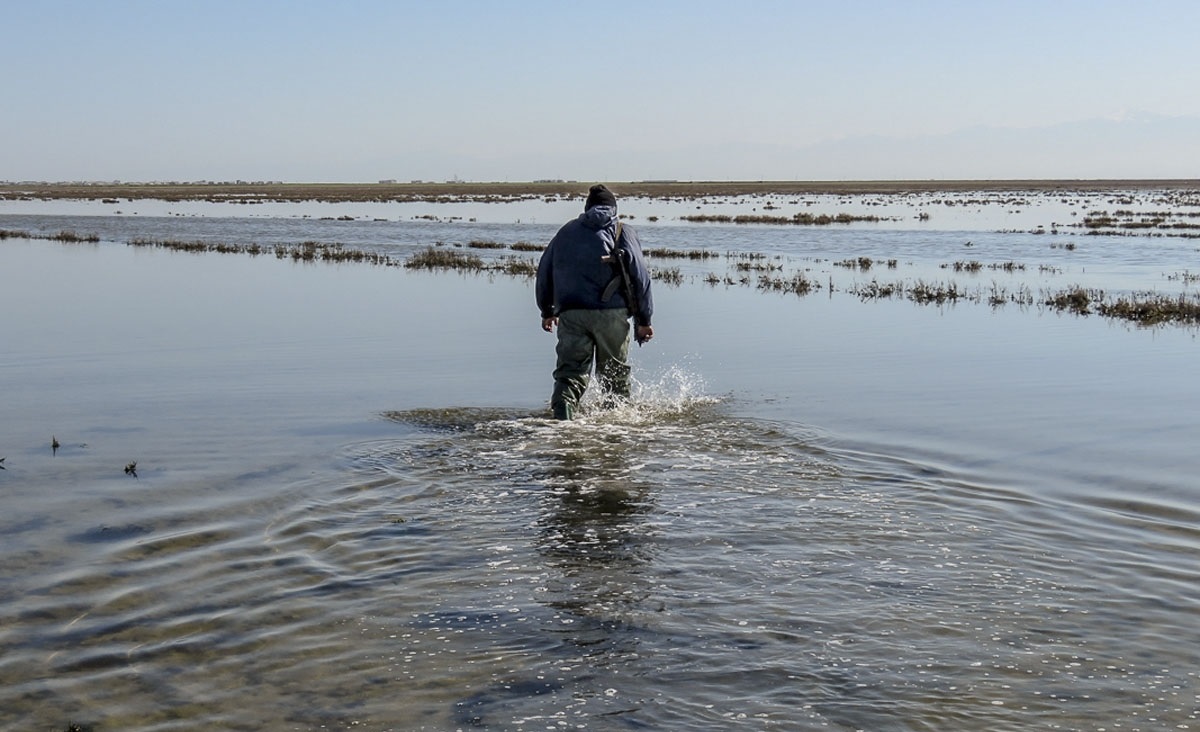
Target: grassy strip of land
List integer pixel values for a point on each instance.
(246, 192)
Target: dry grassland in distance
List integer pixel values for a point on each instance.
(458, 191)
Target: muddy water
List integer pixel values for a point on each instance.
(350, 512)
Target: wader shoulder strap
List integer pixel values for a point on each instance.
(621, 279)
(614, 259)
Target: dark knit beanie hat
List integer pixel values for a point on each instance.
(599, 195)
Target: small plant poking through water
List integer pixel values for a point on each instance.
(671, 276)
(971, 266)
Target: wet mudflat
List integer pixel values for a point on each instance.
(823, 511)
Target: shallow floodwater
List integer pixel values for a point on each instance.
(349, 510)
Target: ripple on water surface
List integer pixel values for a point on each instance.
(664, 565)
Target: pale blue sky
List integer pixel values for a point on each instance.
(370, 89)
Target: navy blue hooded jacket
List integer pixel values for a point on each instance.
(572, 275)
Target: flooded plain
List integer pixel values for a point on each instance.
(823, 510)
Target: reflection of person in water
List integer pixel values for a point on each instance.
(594, 532)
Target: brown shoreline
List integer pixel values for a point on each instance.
(380, 192)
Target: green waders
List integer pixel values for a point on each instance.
(584, 337)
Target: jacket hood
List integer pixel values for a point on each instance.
(598, 217)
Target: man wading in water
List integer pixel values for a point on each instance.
(590, 280)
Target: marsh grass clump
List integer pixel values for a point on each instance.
(797, 284)
(825, 219)
(998, 296)
(670, 276)
(444, 259)
(431, 258)
(175, 245)
(1153, 309)
(713, 279)
(340, 253)
(875, 290)
(518, 267)
(924, 293)
(226, 248)
(1007, 266)
(660, 253)
(971, 266)
(66, 236)
(755, 265)
(313, 251)
(71, 237)
(862, 263)
(484, 244)
(524, 246)
(1077, 300)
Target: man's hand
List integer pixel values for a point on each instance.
(643, 333)
(548, 324)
